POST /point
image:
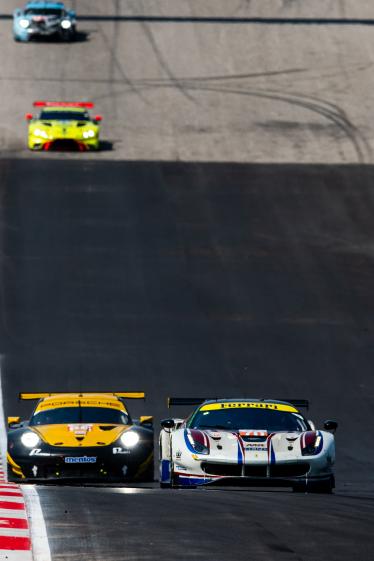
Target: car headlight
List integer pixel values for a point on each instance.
(40, 132)
(30, 439)
(66, 24)
(24, 23)
(88, 134)
(311, 443)
(199, 441)
(130, 439)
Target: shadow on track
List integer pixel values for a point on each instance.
(221, 20)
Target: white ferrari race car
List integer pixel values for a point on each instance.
(248, 441)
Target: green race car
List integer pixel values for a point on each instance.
(63, 125)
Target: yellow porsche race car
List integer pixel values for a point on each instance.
(80, 436)
(63, 125)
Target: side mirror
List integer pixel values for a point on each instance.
(168, 423)
(13, 421)
(146, 420)
(28, 116)
(330, 426)
(98, 118)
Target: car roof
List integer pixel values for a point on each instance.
(64, 109)
(80, 400)
(32, 5)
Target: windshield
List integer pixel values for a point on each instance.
(64, 116)
(43, 12)
(256, 419)
(79, 415)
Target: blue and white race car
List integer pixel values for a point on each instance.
(249, 442)
(44, 19)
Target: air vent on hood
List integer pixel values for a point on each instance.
(106, 427)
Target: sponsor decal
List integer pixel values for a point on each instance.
(178, 454)
(79, 429)
(262, 433)
(119, 450)
(254, 448)
(80, 460)
(246, 404)
(38, 452)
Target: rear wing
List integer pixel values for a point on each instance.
(198, 400)
(87, 104)
(297, 402)
(185, 401)
(127, 395)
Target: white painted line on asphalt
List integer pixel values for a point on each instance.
(9, 513)
(16, 532)
(9, 555)
(39, 539)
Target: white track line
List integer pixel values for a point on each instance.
(39, 539)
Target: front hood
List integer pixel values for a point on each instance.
(83, 434)
(250, 445)
(36, 18)
(62, 129)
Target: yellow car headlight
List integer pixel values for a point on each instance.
(40, 132)
(88, 134)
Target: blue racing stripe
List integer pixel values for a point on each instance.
(165, 471)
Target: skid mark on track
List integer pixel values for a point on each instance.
(321, 107)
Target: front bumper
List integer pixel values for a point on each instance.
(83, 464)
(251, 474)
(63, 144)
(35, 31)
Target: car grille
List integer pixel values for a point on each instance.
(289, 470)
(253, 470)
(67, 145)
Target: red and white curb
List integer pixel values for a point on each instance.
(23, 535)
(15, 541)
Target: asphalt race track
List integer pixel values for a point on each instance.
(196, 279)
(198, 260)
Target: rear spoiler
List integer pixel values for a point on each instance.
(197, 400)
(185, 401)
(87, 104)
(297, 402)
(127, 395)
